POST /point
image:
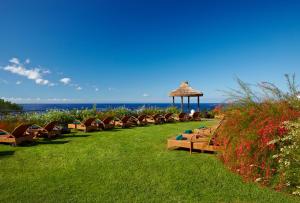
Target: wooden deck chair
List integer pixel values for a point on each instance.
(182, 117)
(139, 120)
(169, 118)
(50, 130)
(74, 124)
(198, 141)
(155, 119)
(208, 131)
(142, 120)
(196, 116)
(87, 125)
(17, 136)
(107, 123)
(124, 122)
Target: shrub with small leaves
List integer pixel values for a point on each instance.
(288, 157)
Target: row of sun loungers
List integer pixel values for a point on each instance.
(28, 132)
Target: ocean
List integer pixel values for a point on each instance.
(103, 106)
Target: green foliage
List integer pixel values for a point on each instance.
(116, 113)
(150, 111)
(172, 109)
(8, 106)
(63, 117)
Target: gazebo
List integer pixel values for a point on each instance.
(185, 90)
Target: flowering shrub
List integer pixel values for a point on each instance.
(288, 157)
(247, 133)
(259, 145)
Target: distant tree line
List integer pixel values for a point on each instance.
(9, 106)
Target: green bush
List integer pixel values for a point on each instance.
(172, 109)
(8, 106)
(116, 113)
(150, 111)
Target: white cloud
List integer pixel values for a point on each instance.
(42, 81)
(18, 82)
(27, 61)
(145, 95)
(17, 68)
(79, 88)
(96, 89)
(65, 80)
(52, 84)
(14, 61)
(46, 71)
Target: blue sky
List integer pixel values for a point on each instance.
(138, 51)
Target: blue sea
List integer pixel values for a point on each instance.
(103, 106)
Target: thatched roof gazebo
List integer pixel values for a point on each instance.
(185, 90)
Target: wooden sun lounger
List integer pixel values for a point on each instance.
(142, 120)
(139, 120)
(169, 118)
(74, 124)
(107, 123)
(182, 117)
(125, 122)
(196, 116)
(49, 131)
(17, 136)
(202, 140)
(202, 145)
(86, 126)
(155, 119)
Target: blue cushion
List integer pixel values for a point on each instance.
(188, 131)
(35, 127)
(3, 133)
(179, 137)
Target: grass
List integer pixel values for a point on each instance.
(123, 165)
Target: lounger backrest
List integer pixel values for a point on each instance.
(89, 121)
(196, 114)
(50, 125)
(125, 119)
(215, 130)
(182, 115)
(20, 130)
(168, 115)
(107, 120)
(142, 117)
(156, 116)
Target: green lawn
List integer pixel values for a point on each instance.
(123, 165)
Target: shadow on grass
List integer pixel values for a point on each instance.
(195, 151)
(53, 142)
(112, 130)
(72, 136)
(6, 153)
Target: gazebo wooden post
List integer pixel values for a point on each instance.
(173, 101)
(198, 103)
(181, 103)
(189, 103)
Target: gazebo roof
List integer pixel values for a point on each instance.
(185, 90)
